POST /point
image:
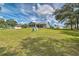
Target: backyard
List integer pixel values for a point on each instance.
(45, 42)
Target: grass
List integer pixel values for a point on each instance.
(45, 42)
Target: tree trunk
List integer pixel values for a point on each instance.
(75, 26)
(71, 25)
(77, 23)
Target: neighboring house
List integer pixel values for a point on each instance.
(18, 27)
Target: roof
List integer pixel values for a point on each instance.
(18, 26)
(40, 21)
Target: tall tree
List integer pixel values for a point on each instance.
(67, 12)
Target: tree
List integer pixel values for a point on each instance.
(75, 7)
(2, 23)
(11, 22)
(67, 12)
(77, 17)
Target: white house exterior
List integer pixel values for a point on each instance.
(42, 22)
(18, 27)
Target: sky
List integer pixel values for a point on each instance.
(27, 12)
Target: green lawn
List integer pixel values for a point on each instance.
(42, 42)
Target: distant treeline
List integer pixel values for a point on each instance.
(11, 23)
(7, 23)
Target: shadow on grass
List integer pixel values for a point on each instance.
(4, 52)
(45, 46)
(38, 46)
(71, 32)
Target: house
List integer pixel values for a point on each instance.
(39, 24)
(18, 27)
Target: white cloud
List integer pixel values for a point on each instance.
(45, 9)
(33, 18)
(25, 12)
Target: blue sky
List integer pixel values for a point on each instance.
(25, 13)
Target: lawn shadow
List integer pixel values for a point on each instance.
(71, 32)
(40, 46)
(4, 52)
(45, 46)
